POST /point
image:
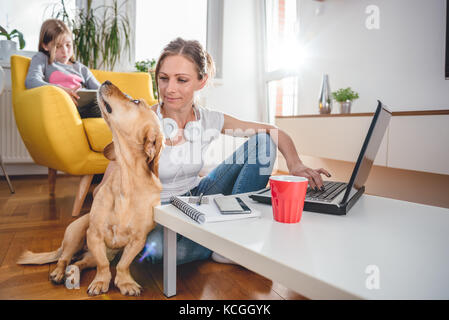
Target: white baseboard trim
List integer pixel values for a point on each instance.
(23, 169)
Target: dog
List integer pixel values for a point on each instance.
(122, 210)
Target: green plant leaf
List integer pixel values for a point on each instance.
(345, 94)
(17, 34)
(13, 34)
(6, 35)
(105, 35)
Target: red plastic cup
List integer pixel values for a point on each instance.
(287, 197)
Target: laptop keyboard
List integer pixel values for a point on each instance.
(331, 190)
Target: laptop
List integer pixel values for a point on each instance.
(338, 197)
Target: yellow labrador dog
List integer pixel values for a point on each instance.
(122, 210)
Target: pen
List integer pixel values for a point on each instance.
(199, 199)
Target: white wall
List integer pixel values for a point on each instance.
(238, 92)
(401, 63)
(188, 21)
(27, 17)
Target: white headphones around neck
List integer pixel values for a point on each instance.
(192, 130)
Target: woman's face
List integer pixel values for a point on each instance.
(178, 81)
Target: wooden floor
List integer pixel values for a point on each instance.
(31, 219)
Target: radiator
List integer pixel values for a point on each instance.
(12, 148)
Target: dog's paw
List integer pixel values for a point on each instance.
(98, 287)
(72, 277)
(57, 276)
(128, 287)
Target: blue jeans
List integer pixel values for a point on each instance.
(247, 169)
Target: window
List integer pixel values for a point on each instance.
(157, 23)
(283, 95)
(283, 56)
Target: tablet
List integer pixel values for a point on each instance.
(87, 97)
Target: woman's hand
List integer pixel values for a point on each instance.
(314, 176)
(72, 93)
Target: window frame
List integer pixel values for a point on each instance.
(278, 74)
(214, 34)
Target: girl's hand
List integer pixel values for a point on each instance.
(314, 176)
(72, 93)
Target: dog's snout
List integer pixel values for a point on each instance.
(105, 91)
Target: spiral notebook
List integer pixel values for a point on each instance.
(208, 212)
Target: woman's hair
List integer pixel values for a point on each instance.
(52, 30)
(193, 51)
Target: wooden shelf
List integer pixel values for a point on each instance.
(369, 114)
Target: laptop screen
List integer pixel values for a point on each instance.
(369, 149)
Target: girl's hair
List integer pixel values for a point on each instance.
(51, 32)
(193, 51)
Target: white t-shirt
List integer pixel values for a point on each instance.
(179, 165)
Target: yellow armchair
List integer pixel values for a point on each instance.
(53, 132)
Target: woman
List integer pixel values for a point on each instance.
(184, 68)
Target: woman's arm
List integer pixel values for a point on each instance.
(238, 128)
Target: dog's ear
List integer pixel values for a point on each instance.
(152, 148)
(109, 151)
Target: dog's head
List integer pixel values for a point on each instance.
(132, 122)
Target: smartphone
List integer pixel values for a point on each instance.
(231, 205)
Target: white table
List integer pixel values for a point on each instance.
(382, 249)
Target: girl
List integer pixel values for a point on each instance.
(183, 68)
(55, 64)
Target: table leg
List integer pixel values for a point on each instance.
(169, 262)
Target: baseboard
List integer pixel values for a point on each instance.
(23, 169)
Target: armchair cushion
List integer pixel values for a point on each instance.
(98, 133)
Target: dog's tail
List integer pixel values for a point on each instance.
(28, 257)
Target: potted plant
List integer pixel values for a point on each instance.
(101, 34)
(8, 46)
(345, 98)
(148, 66)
